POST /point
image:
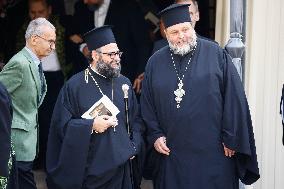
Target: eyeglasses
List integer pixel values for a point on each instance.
(51, 42)
(112, 55)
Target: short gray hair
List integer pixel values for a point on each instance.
(35, 27)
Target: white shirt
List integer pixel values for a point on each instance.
(50, 63)
(36, 60)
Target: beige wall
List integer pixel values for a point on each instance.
(222, 28)
(264, 77)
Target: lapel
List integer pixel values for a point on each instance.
(44, 92)
(34, 70)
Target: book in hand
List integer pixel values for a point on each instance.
(104, 106)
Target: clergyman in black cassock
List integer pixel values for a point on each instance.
(76, 158)
(8, 171)
(196, 112)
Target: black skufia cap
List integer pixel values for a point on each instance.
(175, 14)
(99, 37)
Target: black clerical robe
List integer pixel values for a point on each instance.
(8, 172)
(5, 131)
(213, 111)
(78, 159)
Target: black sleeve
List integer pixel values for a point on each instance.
(5, 131)
(138, 127)
(237, 133)
(148, 108)
(68, 145)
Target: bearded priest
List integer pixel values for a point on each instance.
(92, 149)
(196, 112)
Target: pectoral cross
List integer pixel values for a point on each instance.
(179, 93)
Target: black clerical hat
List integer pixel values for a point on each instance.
(99, 37)
(175, 14)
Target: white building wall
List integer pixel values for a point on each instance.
(264, 78)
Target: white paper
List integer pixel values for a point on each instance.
(104, 106)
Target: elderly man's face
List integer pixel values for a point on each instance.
(180, 34)
(39, 9)
(44, 44)
(181, 37)
(108, 60)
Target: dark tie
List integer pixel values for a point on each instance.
(41, 76)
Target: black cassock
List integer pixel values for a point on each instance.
(213, 111)
(5, 130)
(75, 158)
(6, 155)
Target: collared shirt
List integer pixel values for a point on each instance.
(50, 63)
(36, 60)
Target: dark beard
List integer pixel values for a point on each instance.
(106, 70)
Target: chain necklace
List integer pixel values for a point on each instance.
(87, 72)
(180, 92)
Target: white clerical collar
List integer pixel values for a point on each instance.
(36, 60)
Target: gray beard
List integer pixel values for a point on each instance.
(186, 49)
(106, 70)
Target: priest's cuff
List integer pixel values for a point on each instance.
(90, 123)
(229, 141)
(152, 138)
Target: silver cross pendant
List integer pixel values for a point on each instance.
(179, 93)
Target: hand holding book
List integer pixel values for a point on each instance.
(103, 122)
(104, 114)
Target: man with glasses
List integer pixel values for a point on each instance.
(24, 79)
(54, 67)
(94, 151)
(129, 29)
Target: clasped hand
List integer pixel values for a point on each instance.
(103, 122)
